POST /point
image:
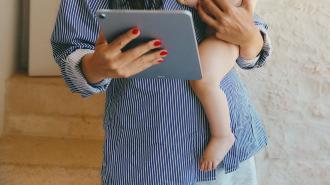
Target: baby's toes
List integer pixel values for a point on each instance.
(202, 165)
(212, 165)
(209, 165)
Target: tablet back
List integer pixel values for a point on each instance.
(174, 28)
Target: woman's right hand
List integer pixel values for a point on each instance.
(108, 60)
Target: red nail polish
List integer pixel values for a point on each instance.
(163, 53)
(158, 43)
(161, 60)
(135, 30)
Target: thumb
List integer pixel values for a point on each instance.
(101, 39)
(248, 5)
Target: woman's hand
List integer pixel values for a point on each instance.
(233, 24)
(108, 60)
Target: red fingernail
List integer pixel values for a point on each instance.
(158, 43)
(161, 60)
(163, 53)
(135, 30)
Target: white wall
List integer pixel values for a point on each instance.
(292, 93)
(42, 17)
(9, 12)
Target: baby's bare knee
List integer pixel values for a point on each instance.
(221, 45)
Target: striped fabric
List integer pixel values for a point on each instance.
(155, 129)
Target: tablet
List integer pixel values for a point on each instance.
(174, 28)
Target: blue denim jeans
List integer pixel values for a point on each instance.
(245, 175)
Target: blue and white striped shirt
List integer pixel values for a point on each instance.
(155, 129)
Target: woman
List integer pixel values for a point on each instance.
(156, 129)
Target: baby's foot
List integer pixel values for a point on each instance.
(215, 151)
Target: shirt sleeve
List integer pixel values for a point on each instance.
(265, 52)
(74, 35)
(76, 79)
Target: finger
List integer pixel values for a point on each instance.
(249, 5)
(213, 9)
(219, 35)
(224, 5)
(101, 39)
(142, 66)
(206, 18)
(121, 41)
(143, 63)
(147, 58)
(137, 52)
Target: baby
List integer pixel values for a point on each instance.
(217, 59)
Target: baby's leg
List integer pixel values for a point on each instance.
(217, 59)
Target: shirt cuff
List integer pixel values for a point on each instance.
(262, 57)
(244, 63)
(75, 78)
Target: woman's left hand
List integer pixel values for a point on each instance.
(233, 24)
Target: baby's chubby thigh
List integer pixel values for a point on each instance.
(217, 58)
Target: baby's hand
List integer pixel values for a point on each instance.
(190, 3)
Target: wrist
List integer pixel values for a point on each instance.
(88, 70)
(252, 47)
